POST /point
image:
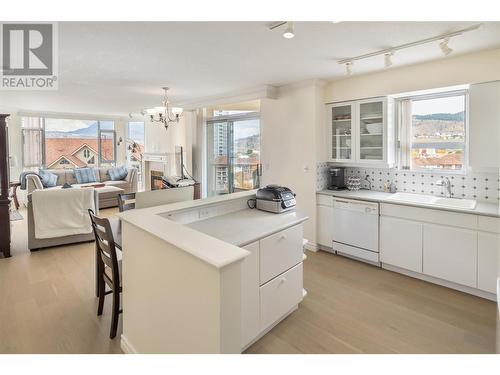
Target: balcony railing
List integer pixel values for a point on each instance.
(245, 177)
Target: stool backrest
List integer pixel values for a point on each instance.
(126, 202)
(105, 243)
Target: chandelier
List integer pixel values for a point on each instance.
(165, 114)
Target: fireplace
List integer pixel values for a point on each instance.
(156, 180)
(155, 166)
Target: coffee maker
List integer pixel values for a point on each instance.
(336, 178)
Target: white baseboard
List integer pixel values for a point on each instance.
(448, 284)
(311, 246)
(126, 347)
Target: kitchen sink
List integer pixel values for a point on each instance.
(466, 204)
(430, 200)
(413, 198)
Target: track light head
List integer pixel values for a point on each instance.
(444, 47)
(289, 34)
(348, 68)
(387, 59)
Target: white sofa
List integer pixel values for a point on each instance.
(129, 184)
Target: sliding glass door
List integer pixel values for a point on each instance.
(233, 159)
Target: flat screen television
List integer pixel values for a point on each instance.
(179, 161)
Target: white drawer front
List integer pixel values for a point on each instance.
(428, 215)
(280, 295)
(324, 200)
(488, 224)
(280, 252)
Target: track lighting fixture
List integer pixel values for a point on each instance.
(389, 52)
(444, 47)
(348, 68)
(387, 59)
(289, 34)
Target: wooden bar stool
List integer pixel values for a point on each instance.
(109, 268)
(126, 201)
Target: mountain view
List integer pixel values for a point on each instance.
(439, 126)
(86, 132)
(438, 140)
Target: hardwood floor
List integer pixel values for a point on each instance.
(352, 307)
(48, 306)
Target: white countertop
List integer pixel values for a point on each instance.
(482, 208)
(246, 226)
(209, 249)
(214, 240)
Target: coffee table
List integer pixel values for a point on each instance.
(106, 196)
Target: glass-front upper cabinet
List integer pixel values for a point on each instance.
(340, 131)
(359, 132)
(371, 130)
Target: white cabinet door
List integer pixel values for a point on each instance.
(280, 295)
(484, 131)
(340, 132)
(401, 243)
(250, 299)
(325, 225)
(450, 254)
(280, 252)
(371, 131)
(487, 261)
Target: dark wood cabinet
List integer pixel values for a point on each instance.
(4, 187)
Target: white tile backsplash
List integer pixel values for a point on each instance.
(480, 186)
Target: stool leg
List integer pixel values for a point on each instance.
(102, 291)
(116, 313)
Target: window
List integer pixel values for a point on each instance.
(67, 143)
(32, 130)
(135, 147)
(432, 131)
(233, 146)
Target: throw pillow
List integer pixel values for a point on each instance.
(48, 179)
(118, 173)
(85, 175)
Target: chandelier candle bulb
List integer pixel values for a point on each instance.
(164, 114)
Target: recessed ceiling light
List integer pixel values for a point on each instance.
(289, 34)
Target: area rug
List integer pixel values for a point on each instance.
(15, 215)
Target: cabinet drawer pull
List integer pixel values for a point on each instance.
(282, 280)
(283, 237)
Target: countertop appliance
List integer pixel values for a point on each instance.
(274, 198)
(336, 178)
(355, 229)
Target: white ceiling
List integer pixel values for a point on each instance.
(115, 68)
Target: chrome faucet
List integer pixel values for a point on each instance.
(367, 179)
(447, 185)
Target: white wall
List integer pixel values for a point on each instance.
(292, 140)
(464, 69)
(157, 139)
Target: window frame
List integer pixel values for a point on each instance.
(229, 120)
(399, 142)
(42, 131)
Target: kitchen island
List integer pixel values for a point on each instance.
(208, 276)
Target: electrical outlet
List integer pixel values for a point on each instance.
(203, 213)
